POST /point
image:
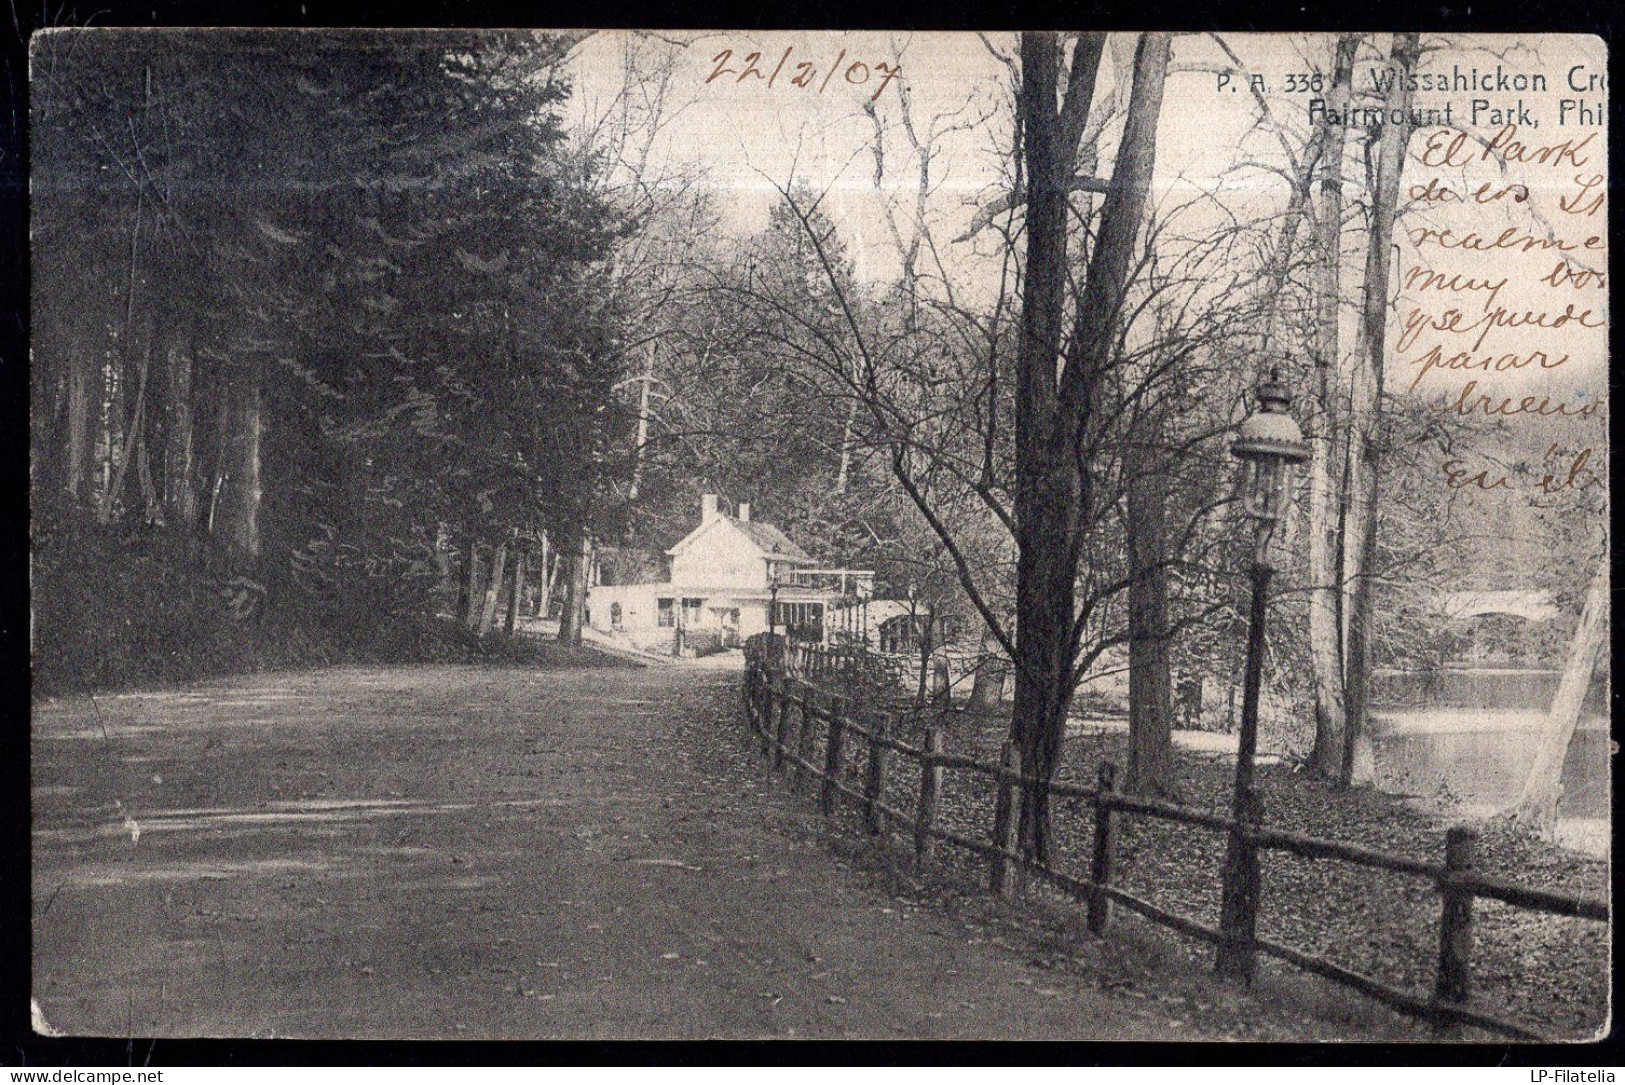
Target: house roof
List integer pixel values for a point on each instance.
(768, 539)
(772, 540)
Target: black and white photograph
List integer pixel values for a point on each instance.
(819, 535)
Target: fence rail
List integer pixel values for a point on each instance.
(809, 661)
(779, 689)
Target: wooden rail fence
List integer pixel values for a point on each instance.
(809, 661)
(787, 711)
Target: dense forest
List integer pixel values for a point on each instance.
(307, 322)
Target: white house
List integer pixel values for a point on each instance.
(725, 574)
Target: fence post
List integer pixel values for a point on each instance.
(781, 682)
(808, 715)
(759, 676)
(1454, 980)
(832, 756)
(1100, 868)
(1238, 956)
(925, 815)
(1004, 875)
(762, 711)
(874, 784)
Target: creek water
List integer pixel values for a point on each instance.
(1464, 742)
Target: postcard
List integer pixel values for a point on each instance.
(569, 534)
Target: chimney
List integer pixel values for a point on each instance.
(708, 508)
(744, 511)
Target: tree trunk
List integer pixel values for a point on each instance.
(78, 447)
(493, 588)
(846, 448)
(154, 507)
(643, 429)
(218, 441)
(239, 504)
(109, 431)
(575, 605)
(1536, 808)
(987, 689)
(1150, 680)
(1047, 484)
(1054, 418)
(926, 635)
(1366, 415)
(442, 558)
(124, 436)
(555, 568)
(545, 573)
(1325, 557)
(180, 462)
(516, 596)
(469, 599)
(117, 459)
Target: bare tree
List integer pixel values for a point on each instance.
(1536, 808)
(1366, 411)
(1326, 437)
(1080, 427)
(1054, 414)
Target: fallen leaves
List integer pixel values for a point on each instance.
(1381, 924)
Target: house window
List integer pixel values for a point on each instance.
(691, 612)
(615, 615)
(666, 617)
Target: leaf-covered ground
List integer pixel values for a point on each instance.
(1547, 972)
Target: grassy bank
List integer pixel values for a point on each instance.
(115, 608)
(272, 642)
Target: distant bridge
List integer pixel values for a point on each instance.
(1531, 606)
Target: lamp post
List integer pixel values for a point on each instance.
(1269, 445)
(866, 589)
(773, 603)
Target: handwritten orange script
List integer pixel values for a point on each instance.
(808, 75)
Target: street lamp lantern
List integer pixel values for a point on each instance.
(1269, 446)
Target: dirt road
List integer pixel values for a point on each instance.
(472, 852)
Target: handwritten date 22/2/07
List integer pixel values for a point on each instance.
(804, 74)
